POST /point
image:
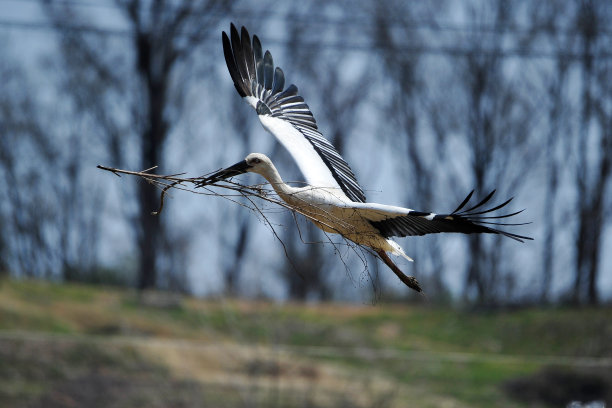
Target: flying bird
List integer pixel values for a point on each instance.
(332, 198)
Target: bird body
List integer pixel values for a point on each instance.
(327, 207)
(333, 199)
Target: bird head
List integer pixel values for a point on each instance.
(254, 162)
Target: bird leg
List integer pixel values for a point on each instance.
(409, 281)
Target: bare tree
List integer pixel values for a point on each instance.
(27, 209)
(556, 115)
(162, 38)
(499, 117)
(409, 106)
(547, 22)
(592, 165)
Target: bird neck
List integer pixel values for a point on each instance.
(277, 183)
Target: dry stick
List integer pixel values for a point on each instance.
(242, 190)
(151, 178)
(159, 180)
(161, 199)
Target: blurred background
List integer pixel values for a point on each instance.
(210, 304)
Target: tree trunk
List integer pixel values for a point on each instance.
(154, 79)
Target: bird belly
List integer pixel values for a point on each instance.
(351, 226)
(323, 207)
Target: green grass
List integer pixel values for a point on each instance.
(99, 346)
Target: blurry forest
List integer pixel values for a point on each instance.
(425, 100)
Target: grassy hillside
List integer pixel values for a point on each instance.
(73, 345)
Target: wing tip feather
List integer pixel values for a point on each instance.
(476, 221)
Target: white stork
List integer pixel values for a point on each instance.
(332, 198)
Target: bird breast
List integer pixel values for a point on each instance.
(327, 209)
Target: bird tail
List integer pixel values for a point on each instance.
(397, 250)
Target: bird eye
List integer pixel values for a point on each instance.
(256, 160)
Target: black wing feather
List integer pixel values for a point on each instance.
(481, 203)
(232, 67)
(464, 202)
(259, 67)
(254, 74)
(268, 70)
(279, 81)
(240, 59)
(248, 55)
(466, 222)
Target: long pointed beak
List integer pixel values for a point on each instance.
(231, 171)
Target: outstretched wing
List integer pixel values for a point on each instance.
(285, 114)
(400, 222)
